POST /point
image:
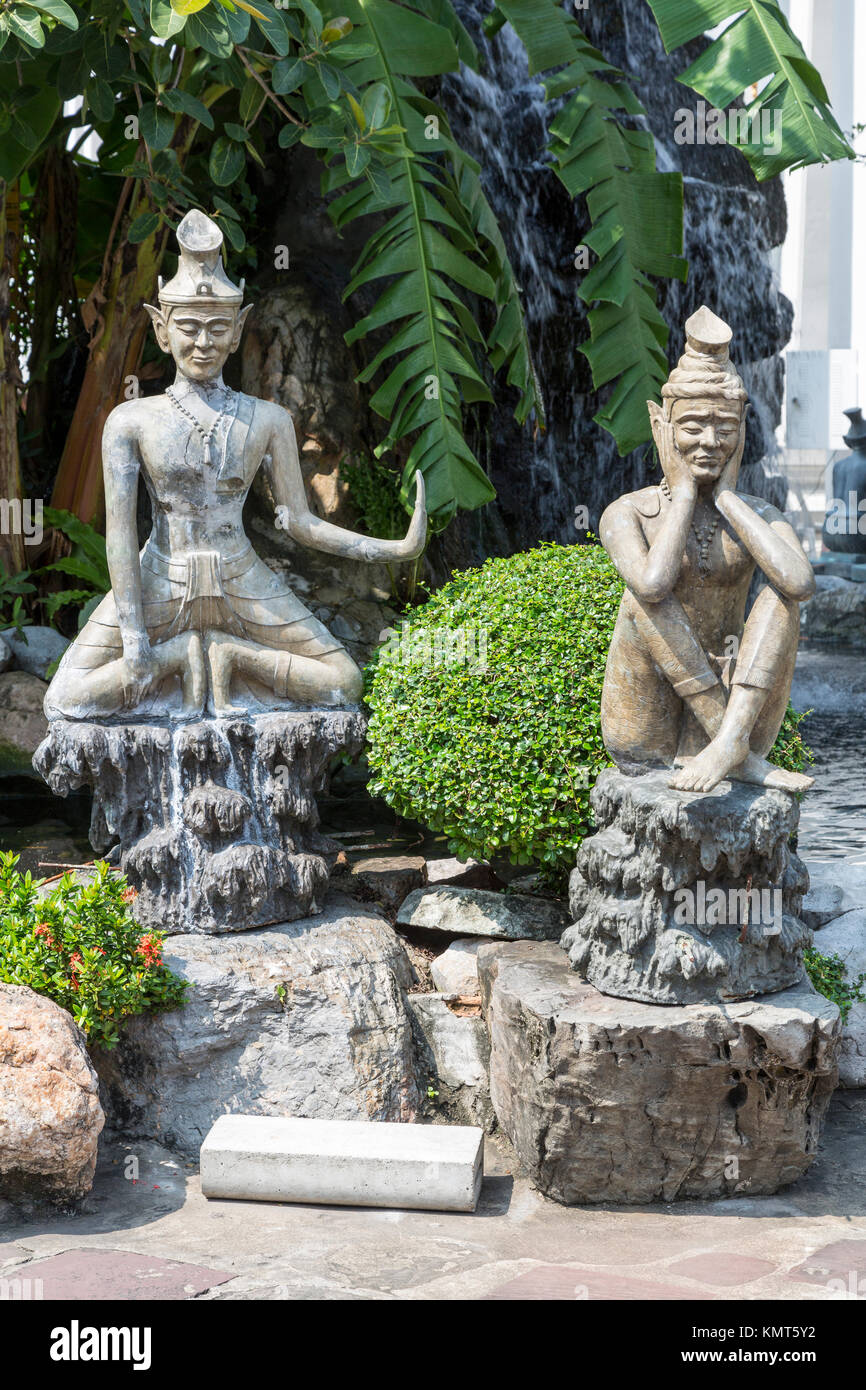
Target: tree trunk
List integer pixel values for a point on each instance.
(12, 539)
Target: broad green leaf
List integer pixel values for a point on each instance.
(289, 135)
(26, 27)
(100, 98)
(165, 21)
(226, 161)
(252, 98)
(793, 124)
(188, 7)
(287, 75)
(38, 114)
(234, 131)
(336, 29)
(156, 125)
(273, 27)
(209, 29)
(183, 103)
(58, 9)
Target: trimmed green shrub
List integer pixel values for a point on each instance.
(81, 946)
(485, 718)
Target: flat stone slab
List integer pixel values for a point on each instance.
(343, 1163)
(614, 1100)
(456, 970)
(476, 912)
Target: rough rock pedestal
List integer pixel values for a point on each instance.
(682, 897)
(610, 1100)
(217, 820)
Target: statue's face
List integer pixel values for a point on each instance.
(200, 339)
(706, 433)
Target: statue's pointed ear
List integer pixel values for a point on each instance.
(157, 318)
(657, 417)
(239, 325)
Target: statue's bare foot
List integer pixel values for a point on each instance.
(220, 656)
(712, 765)
(756, 769)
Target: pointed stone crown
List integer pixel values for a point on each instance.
(705, 368)
(200, 274)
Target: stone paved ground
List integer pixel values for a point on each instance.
(159, 1238)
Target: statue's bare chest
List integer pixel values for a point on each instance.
(194, 458)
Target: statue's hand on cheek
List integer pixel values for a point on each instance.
(680, 478)
(728, 477)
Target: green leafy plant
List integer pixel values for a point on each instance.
(14, 590)
(790, 750)
(830, 978)
(87, 563)
(80, 945)
(485, 720)
(374, 490)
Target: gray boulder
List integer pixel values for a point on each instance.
(50, 1115)
(43, 647)
(23, 725)
(454, 1054)
(836, 613)
(456, 970)
(846, 937)
(613, 1100)
(305, 1019)
(5, 655)
(475, 912)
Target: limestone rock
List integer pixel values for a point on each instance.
(470, 873)
(822, 903)
(307, 1019)
(217, 821)
(388, 879)
(44, 646)
(847, 874)
(5, 655)
(22, 723)
(456, 970)
(611, 1100)
(50, 1115)
(846, 937)
(686, 896)
(455, 1056)
(474, 912)
(836, 612)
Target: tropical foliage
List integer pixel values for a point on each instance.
(117, 117)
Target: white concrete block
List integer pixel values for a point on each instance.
(343, 1162)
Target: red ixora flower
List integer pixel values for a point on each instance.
(44, 930)
(129, 894)
(150, 947)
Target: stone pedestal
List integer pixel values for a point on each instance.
(610, 1100)
(683, 896)
(217, 820)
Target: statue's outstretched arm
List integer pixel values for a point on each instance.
(287, 487)
(120, 466)
(773, 545)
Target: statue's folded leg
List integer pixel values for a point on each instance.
(655, 667)
(326, 678)
(765, 667)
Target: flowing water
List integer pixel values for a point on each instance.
(832, 683)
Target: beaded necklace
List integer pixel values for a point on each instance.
(206, 435)
(703, 534)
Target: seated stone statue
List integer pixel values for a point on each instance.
(198, 609)
(690, 681)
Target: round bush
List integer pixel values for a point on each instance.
(485, 706)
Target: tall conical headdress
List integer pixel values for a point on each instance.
(200, 272)
(705, 368)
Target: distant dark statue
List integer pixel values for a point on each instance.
(845, 522)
